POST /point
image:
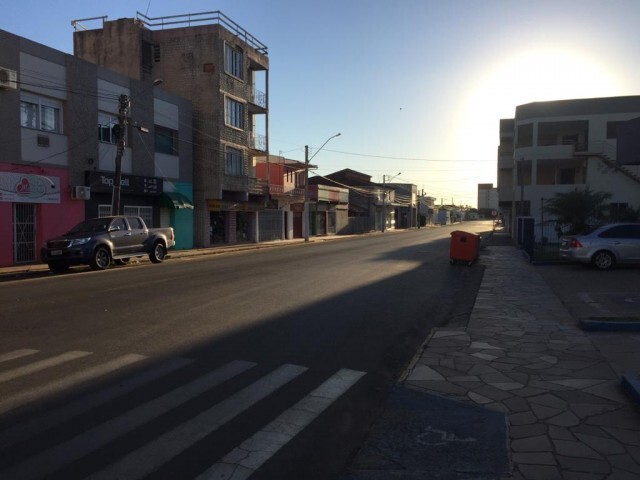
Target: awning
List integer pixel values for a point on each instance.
(175, 200)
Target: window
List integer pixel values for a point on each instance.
(108, 128)
(118, 224)
(135, 223)
(524, 135)
(104, 210)
(567, 176)
(234, 113)
(41, 113)
(622, 231)
(166, 140)
(233, 61)
(233, 161)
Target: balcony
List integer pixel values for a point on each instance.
(258, 142)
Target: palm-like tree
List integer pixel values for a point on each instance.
(577, 209)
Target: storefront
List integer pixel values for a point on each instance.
(232, 222)
(35, 204)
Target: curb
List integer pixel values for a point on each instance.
(610, 324)
(631, 383)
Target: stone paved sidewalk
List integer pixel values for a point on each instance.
(523, 354)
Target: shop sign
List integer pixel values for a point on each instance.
(102, 182)
(29, 188)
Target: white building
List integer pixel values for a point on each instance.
(558, 146)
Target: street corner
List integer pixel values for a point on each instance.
(423, 435)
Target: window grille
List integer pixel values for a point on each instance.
(24, 232)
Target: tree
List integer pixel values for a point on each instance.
(577, 209)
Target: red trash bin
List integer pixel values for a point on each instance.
(465, 247)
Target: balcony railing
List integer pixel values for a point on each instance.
(257, 186)
(259, 98)
(258, 142)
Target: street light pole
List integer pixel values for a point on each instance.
(123, 110)
(384, 200)
(306, 184)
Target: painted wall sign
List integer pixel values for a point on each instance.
(29, 188)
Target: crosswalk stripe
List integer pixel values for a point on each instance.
(244, 460)
(52, 418)
(67, 452)
(26, 396)
(17, 354)
(150, 457)
(41, 365)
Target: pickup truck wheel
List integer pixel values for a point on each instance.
(157, 253)
(58, 267)
(100, 259)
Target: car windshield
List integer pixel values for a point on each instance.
(92, 226)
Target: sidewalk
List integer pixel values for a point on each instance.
(565, 413)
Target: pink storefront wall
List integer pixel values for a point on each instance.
(52, 219)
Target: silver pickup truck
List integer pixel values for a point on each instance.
(99, 241)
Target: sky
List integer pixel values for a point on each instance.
(414, 87)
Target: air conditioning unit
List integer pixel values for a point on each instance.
(8, 79)
(80, 192)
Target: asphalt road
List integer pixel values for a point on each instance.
(322, 330)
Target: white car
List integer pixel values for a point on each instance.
(605, 246)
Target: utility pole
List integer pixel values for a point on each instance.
(384, 204)
(306, 193)
(123, 111)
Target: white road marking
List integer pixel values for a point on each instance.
(244, 460)
(17, 354)
(35, 425)
(149, 458)
(89, 441)
(51, 388)
(41, 365)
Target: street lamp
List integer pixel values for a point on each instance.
(124, 104)
(306, 184)
(384, 199)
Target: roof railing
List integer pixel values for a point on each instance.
(214, 17)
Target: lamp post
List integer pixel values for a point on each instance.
(124, 104)
(307, 159)
(384, 200)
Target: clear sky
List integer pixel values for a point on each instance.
(413, 86)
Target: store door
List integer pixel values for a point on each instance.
(24, 232)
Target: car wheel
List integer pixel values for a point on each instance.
(158, 252)
(121, 261)
(603, 260)
(101, 259)
(58, 267)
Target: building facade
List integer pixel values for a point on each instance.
(556, 147)
(57, 168)
(223, 70)
(488, 202)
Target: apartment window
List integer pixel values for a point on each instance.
(233, 163)
(567, 176)
(233, 61)
(108, 128)
(166, 140)
(41, 113)
(234, 113)
(104, 210)
(525, 135)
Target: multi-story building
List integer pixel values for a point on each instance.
(555, 147)
(60, 118)
(223, 70)
(487, 200)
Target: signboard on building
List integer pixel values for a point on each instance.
(29, 188)
(129, 184)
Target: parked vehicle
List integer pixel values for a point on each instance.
(605, 246)
(99, 241)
